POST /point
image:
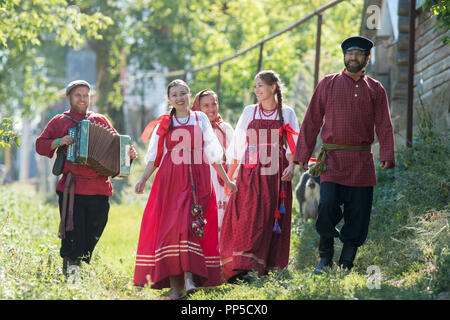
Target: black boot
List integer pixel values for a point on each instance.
(241, 276)
(326, 251)
(67, 262)
(347, 256)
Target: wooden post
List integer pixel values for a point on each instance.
(411, 48)
(261, 47)
(317, 60)
(8, 159)
(260, 57)
(219, 80)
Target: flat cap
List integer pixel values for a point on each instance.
(357, 43)
(77, 83)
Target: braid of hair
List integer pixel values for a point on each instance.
(280, 110)
(172, 113)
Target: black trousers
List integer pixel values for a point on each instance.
(357, 205)
(90, 215)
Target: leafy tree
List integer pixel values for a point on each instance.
(166, 36)
(25, 25)
(110, 49)
(7, 134)
(241, 23)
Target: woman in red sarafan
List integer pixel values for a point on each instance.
(169, 254)
(207, 101)
(256, 229)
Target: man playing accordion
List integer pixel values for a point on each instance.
(83, 192)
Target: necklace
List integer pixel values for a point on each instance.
(183, 123)
(269, 114)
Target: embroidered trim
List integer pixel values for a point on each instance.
(175, 251)
(243, 254)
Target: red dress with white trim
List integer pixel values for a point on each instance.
(167, 246)
(256, 229)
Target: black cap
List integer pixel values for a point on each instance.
(357, 43)
(77, 83)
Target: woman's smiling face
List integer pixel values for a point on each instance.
(208, 105)
(262, 90)
(179, 97)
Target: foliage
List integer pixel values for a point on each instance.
(408, 236)
(169, 35)
(30, 266)
(110, 50)
(411, 212)
(26, 26)
(164, 36)
(7, 134)
(408, 241)
(291, 54)
(441, 9)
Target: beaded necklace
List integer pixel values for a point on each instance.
(270, 113)
(266, 122)
(183, 123)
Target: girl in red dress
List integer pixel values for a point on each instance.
(208, 102)
(169, 253)
(256, 227)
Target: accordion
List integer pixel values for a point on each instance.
(100, 148)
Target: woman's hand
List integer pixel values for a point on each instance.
(288, 173)
(149, 169)
(230, 188)
(139, 188)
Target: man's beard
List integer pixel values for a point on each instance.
(355, 68)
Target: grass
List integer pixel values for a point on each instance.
(407, 243)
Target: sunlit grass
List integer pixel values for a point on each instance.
(408, 243)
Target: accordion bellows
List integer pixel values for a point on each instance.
(100, 148)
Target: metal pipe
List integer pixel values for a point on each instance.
(317, 60)
(411, 49)
(260, 57)
(219, 80)
(261, 47)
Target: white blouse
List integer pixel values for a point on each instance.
(228, 129)
(212, 147)
(238, 144)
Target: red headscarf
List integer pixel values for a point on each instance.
(216, 123)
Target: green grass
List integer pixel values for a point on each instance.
(408, 243)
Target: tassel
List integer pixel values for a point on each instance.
(282, 209)
(276, 227)
(283, 193)
(277, 214)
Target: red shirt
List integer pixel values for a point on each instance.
(87, 181)
(347, 111)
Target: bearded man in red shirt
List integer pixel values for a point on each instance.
(349, 107)
(85, 213)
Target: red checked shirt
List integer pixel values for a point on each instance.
(347, 111)
(87, 181)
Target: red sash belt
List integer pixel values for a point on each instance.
(66, 223)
